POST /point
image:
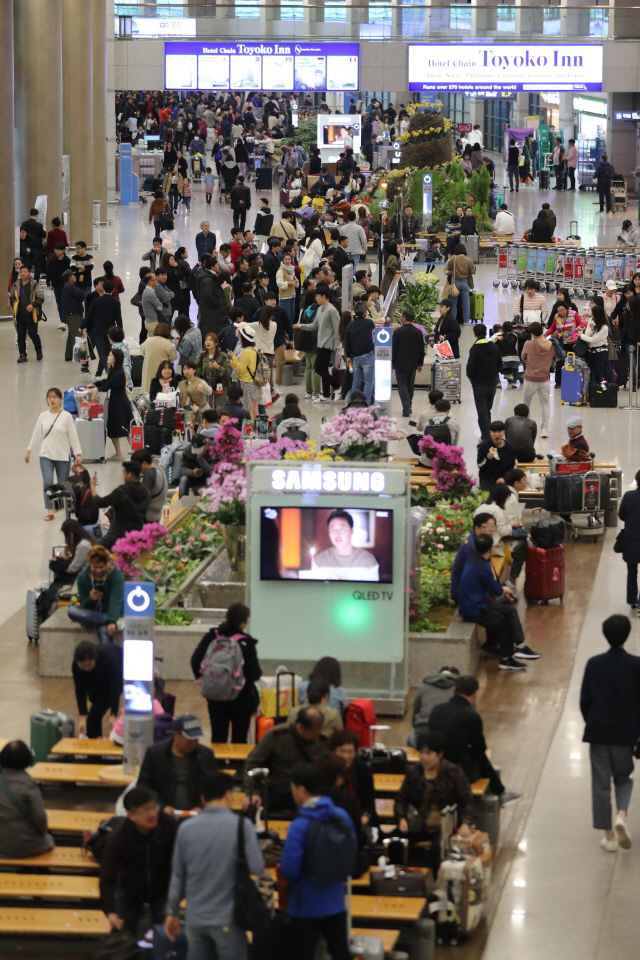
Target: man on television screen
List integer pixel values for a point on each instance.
(343, 561)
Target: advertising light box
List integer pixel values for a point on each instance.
(495, 67)
(328, 548)
(262, 66)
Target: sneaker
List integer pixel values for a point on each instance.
(308, 396)
(491, 649)
(22, 358)
(610, 214)
(633, 607)
(526, 653)
(316, 397)
(508, 663)
(337, 396)
(62, 326)
(622, 834)
(514, 386)
(511, 586)
(323, 400)
(510, 797)
(610, 846)
(543, 432)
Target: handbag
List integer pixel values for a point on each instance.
(250, 912)
(581, 348)
(136, 299)
(618, 546)
(453, 290)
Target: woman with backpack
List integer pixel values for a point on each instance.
(172, 187)
(218, 648)
(246, 365)
(292, 426)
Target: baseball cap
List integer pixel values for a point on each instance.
(188, 726)
(611, 285)
(574, 422)
(446, 303)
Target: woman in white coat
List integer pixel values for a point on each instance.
(314, 252)
(54, 435)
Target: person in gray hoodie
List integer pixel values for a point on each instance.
(433, 690)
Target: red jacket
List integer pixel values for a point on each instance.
(57, 235)
(236, 251)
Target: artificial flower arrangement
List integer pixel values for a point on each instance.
(358, 434)
(449, 468)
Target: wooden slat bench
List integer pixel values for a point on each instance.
(78, 747)
(62, 887)
(389, 937)
(394, 909)
(391, 783)
(74, 821)
(60, 858)
(54, 922)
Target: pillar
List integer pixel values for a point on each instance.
(7, 205)
(37, 104)
(99, 11)
(566, 117)
(77, 129)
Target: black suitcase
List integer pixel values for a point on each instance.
(487, 815)
(155, 438)
(563, 492)
(383, 760)
(402, 881)
(543, 179)
(600, 396)
(264, 179)
(162, 417)
(136, 370)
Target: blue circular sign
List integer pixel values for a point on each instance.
(383, 336)
(426, 178)
(395, 145)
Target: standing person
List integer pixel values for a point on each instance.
(317, 907)
(97, 677)
(57, 266)
(105, 312)
(459, 268)
(212, 302)
(26, 298)
(263, 224)
(240, 196)
(56, 235)
(23, 818)
(596, 334)
(572, 163)
(484, 363)
(84, 266)
(287, 286)
(357, 239)
(37, 236)
(119, 413)
(407, 357)
(246, 365)
(155, 480)
(135, 867)
(538, 356)
(72, 305)
(358, 347)
(393, 253)
(55, 434)
(151, 305)
(237, 712)
(118, 285)
(629, 513)
(203, 870)
(558, 164)
(205, 240)
(327, 323)
(513, 165)
(447, 327)
(158, 208)
(172, 188)
(603, 175)
(610, 706)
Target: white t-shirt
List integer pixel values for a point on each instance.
(264, 338)
(55, 435)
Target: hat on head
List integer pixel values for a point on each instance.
(67, 274)
(446, 303)
(188, 726)
(574, 422)
(248, 334)
(611, 285)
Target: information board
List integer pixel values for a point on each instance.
(262, 66)
(495, 67)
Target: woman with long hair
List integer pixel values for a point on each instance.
(166, 380)
(118, 285)
(597, 336)
(214, 367)
(265, 329)
(189, 339)
(119, 414)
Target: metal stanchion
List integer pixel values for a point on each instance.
(633, 391)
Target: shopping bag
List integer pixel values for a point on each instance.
(279, 694)
(444, 350)
(80, 350)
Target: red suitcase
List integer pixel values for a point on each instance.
(544, 578)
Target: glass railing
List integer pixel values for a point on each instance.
(290, 20)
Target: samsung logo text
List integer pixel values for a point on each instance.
(329, 481)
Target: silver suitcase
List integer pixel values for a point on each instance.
(92, 440)
(419, 940)
(488, 816)
(473, 246)
(33, 620)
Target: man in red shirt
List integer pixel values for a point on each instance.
(236, 244)
(162, 119)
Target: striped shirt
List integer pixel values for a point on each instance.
(531, 301)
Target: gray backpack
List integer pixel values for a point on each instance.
(222, 669)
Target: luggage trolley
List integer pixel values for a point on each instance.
(541, 267)
(550, 268)
(598, 272)
(618, 193)
(569, 270)
(502, 266)
(197, 168)
(629, 268)
(513, 253)
(589, 522)
(521, 267)
(589, 265)
(532, 264)
(560, 257)
(578, 272)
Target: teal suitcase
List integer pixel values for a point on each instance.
(476, 305)
(47, 727)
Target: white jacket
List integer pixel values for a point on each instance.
(505, 224)
(596, 340)
(313, 256)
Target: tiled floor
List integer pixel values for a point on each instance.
(565, 897)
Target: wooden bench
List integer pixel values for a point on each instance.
(60, 858)
(391, 783)
(78, 747)
(74, 821)
(404, 909)
(60, 887)
(389, 937)
(54, 922)
(99, 775)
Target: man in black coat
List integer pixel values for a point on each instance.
(271, 262)
(97, 677)
(176, 768)
(37, 235)
(340, 257)
(213, 313)
(103, 313)
(610, 705)
(240, 202)
(407, 357)
(135, 867)
(461, 725)
(484, 363)
(247, 303)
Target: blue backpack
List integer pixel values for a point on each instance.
(331, 850)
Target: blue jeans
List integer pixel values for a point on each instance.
(91, 618)
(356, 260)
(48, 466)
(463, 291)
(157, 225)
(216, 943)
(363, 376)
(288, 304)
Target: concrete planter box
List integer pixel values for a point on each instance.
(458, 647)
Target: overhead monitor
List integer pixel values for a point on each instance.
(262, 66)
(493, 67)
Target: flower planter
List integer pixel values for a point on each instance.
(235, 539)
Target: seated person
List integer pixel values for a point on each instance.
(429, 786)
(496, 457)
(357, 775)
(318, 696)
(97, 676)
(342, 561)
(460, 723)
(290, 398)
(176, 769)
(135, 867)
(233, 407)
(507, 528)
(423, 419)
(441, 418)
(293, 425)
(483, 522)
(329, 669)
(155, 480)
(23, 818)
(521, 431)
(576, 448)
(196, 465)
(433, 690)
(101, 595)
(130, 502)
(281, 749)
(477, 583)
(65, 568)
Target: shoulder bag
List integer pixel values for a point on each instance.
(250, 912)
(450, 289)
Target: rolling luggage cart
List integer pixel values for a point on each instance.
(618, 193)
(629, 268)
(578, 272)
(197, 168)
(541, 267)
(550, 269)
(569, 267)
(502, 271)
(560, 258)
(598, 272)
(589, 522)
(446, 375)
(512, 264)
(521, 269)
(532, 263)
(589, 264)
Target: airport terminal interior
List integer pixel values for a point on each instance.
(553, 890)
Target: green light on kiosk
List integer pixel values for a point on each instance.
(352, 615)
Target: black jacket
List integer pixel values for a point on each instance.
(36, 233)
(213, 313)
(236, 410)
(55, 269)
(359, 783)
(252, 668)
(407, 347)
(449, 787)
(541, 231)
(105, 312)
(447, 327)
(248, 305)
(469, 226)
(358, 338)
(196, 459)
(72, 299)
(610, 699)
(270, 266)
(138, 863)
(461, 724)
(484, 363)
(103, 684)
(315, 166)
(264, 222)
(629, 513)
(240, 197)
(130, 502)
(340, 260)
(495, 468)
(156, 772)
